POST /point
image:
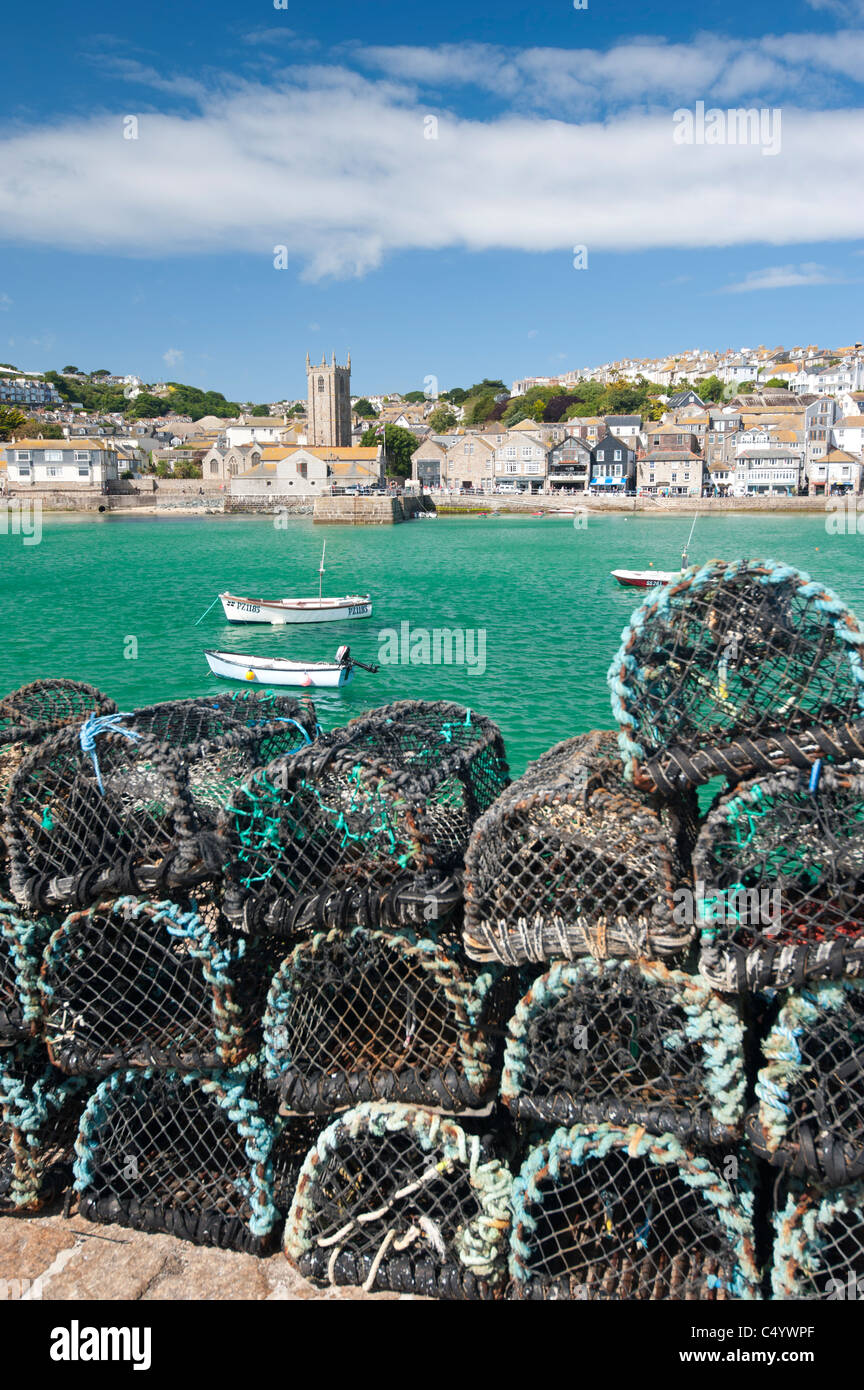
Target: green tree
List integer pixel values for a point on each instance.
(456, 395)
(187, 468)
(414, 397)
(710, 389)
(743, 386)
(399, 445)
(145, 405)
(442, 419)
(364, 408)
(778, 384)
(477, 408)
(100, 371)
(71, 369)
(538, 409)
(11, 421)
(259, 411)
(46, 428)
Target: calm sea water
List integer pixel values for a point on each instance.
(539, 588)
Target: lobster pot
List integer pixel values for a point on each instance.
(602, 1212)
(370, 823)
(39, 1113)
(48, 704)
(573, 861)
(31, 713)
(184, 1153)
(222, 739)
(628, 1042)
(139, 984)
(370, 1015)
(85, 825)
(394, 1197)
(809, 1117)
(736, 668)
(22, 939)
(779, 867)
(819, 1244)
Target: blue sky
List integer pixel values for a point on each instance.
(308, 128)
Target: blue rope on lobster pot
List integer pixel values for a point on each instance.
(187, 1153)
(631, 1042)
(809, 1117)
(818, 1250)
(397, 1197)
(366, 827)
(132, 983)
(606, 1212)
(39, 1114)
(223, 739)
(737, 668)
(783, 860)
(115, 816)
(22, 938)
(370, 1015)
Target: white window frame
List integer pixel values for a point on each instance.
(82, 456)
(23, 456)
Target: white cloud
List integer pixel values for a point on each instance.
(6, 301)
(173, 357)
(640, 71)
(782, 277)
(335, 167)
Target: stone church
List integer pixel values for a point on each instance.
(328, 421)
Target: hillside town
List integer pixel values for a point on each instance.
(767, 422)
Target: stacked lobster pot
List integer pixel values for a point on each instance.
(146, 1009)
(39, 1106)
(752, 674)
(624, 1072)
(809, 1122)
(351, 852)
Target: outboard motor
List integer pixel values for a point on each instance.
(343, 656)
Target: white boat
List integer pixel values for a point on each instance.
(645, 579)
(240, 666)
(296, 610)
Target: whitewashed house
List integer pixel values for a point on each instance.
(60, 463)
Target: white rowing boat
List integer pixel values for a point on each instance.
(240, 666)
(296, 610)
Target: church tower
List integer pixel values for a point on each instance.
(328, 420)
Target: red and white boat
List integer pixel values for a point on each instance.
(645, 579)
(651, 578)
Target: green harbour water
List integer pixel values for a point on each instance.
(539, 588)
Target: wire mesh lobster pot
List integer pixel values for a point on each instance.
(22, 938)
(737, 668)
(780, 869)
(608, 1213)
(819, 1244)
(184, 1153)
(223, 739)
(370, 824)
(39, 1113)
(627, 1042)
(139, 984)
(28, 715)
(571, 861)
(370, 1015)
(809, 1118)
(395, 1197)
(84, 823)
